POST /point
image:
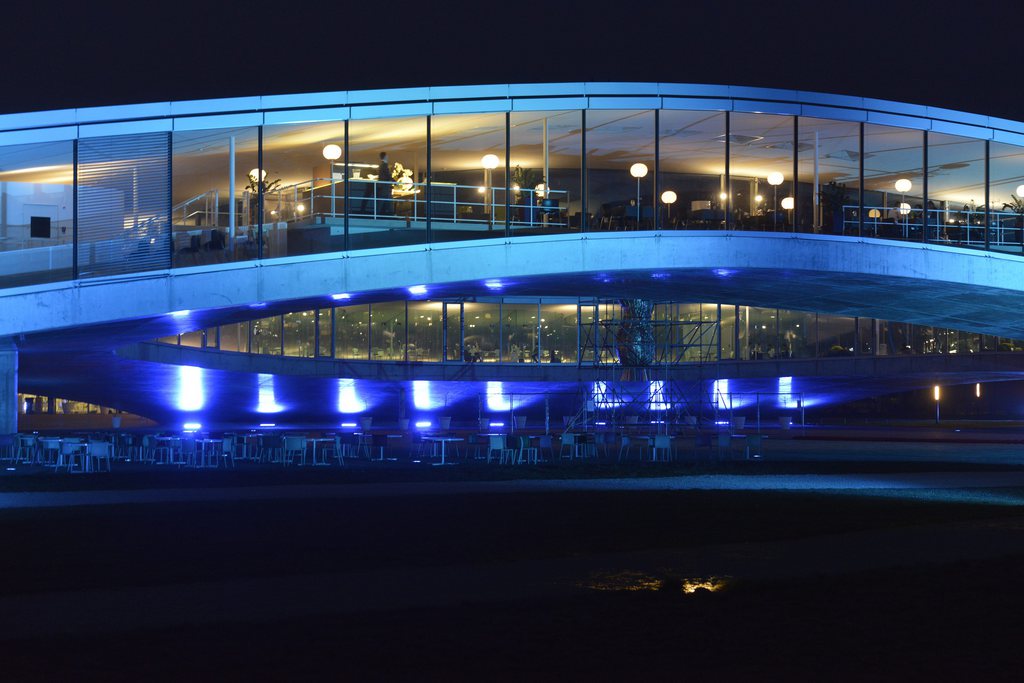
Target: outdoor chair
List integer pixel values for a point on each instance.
(662, 447)
(753, 446)
(98, 453)
(526, 451)
(293, 447)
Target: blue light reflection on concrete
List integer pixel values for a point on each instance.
(421, 395)
(266, 401)
(191, 394)
(348, 399)
(496, 400)
(602, 399)
(786, 398)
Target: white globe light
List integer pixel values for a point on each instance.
(638, 170)
(903, 185)
(1020, 190)
(490, 161)
(787, 203)
(669, 197)
(723, 196)
(540, 189)
(758, 198)
(775, 178)
(904, 208)
(874, 213)
(332, 152)
(257, 173)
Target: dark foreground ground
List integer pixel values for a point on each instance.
(922, 584)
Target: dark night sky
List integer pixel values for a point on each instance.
(959, 56)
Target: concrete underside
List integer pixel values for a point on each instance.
(900, 281)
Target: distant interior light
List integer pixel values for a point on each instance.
(903, 185)
(723, 196)
(332, 152)
(638, 170)
(669, 197)
(904, 208)
(490, 161)
(787, 203)
(775, 178)
(254, 173)
(758, 198)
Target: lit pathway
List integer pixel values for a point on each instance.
(757, 482)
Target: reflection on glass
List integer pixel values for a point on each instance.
(352, 332)
(235, 337)
(304, 206)
(519, 326)
(482, 332)
(387, 177)
(467, 176)
(266, 336)
(387, 331)
(893, 182)
(1006, 194)
(620, 169)
(835, 335)
(214, 215)
(36, 193)
(193, 339)
(692, 168)
(558, 333)
(761, 171)
(829, 166)
(453, 313)
(300, 334)
(797, 334)
(425, 331)
(545, 162)
(956, 179)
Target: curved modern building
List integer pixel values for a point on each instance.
(542, 250)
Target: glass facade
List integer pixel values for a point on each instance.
(194, 197)
(545, 331)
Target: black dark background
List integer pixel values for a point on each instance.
(964, 56)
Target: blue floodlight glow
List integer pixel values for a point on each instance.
(351, 425)
(421, 395)
(266, 402)
(602, 398)
(267, 424)
(423, 424)
(657, 390)
(179, 314)
(418, 289)
(786, 398)
(191, 426)
(723, 272)
(261, 304)
(497, 402)
(348, 399)
(720, 394)
(191, 396)
(497, 424)
(494, 284)
(341, 297)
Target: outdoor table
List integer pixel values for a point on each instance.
(312, 442)
(443, 440)
(171, 444)
(203, 443)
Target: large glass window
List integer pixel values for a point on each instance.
(692, 168)
(762, 333)
(558, 332)
(797, 334)
(304, 205)
(36, 213)
(620, 169)
(300, 334)
(956, 180)
(234, 337)
(467, 176)
(519, 327)
(453, 321)
(387, 331)
(829, 182)
(545, 162)
(324, 325)
(387, 182)
(483, 332)
(214, 214)
(893, 182)
(761, 171)
(1006, 194)
(352, 332)
(728, 331)
(266, 336)
(425, 330)
(835, 335)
